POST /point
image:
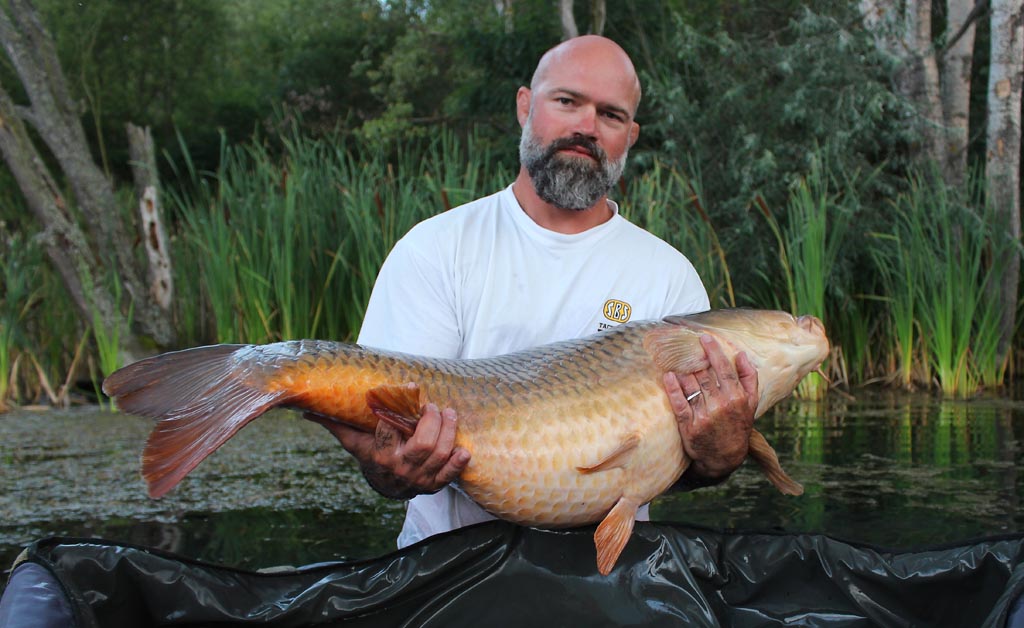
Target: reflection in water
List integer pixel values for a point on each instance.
(891, 469)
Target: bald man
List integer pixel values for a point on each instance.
(547, 259)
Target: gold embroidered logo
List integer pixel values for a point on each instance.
(618, 311)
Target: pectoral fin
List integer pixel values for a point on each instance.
(396, 405)
(616, 458)
(768, 460)
(676, 349)
(613, 533)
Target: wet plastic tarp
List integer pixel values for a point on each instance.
(498, 574)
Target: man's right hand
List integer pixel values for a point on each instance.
(401, 468)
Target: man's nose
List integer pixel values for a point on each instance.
(586, 121)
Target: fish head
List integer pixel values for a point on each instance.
(782, 347)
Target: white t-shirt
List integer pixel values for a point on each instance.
(484, 279)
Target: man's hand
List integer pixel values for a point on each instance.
(400, 468)
(715, 424)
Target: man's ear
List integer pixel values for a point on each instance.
(634, 134)
(523, 105)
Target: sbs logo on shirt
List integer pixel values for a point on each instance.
(617, 311)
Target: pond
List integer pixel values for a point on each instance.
(892, 469)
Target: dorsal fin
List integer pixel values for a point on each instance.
(398, 405)
(676, 348)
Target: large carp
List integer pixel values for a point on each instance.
(561, 435)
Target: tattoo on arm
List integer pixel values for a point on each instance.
(387, 484)
(384, 440)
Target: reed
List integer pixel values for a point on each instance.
(669, 203)
(289, 245)
(900, 274)
(19, 268)
(816, 225)
(944, 242)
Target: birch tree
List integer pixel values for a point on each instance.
(84, 236)
(936, 80)
(956, 59)
(1003, 144)
(598, 13)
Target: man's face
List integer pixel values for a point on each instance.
(577, 120)
(571, 172)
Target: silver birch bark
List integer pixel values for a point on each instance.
(903, 30)
(1003, 145)
(956, 89)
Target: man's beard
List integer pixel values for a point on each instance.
(568, 182)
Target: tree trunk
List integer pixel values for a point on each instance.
(598, 14)
(956, 89)
(903, 30)
(79, 255)
(1003, 142)
(64, 242)
(569, 29)
(151, 226)
(505, 9)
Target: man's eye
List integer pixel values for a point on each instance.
(562, 100)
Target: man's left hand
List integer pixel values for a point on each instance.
(715, 424)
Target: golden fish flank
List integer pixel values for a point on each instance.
(566, 434)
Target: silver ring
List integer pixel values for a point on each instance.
(692, 396)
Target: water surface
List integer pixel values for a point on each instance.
(891, 469)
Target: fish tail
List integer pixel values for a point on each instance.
(201, 397)
(768, 460)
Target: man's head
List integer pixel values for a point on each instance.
(578, 121)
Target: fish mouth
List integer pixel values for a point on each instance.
(811, 324)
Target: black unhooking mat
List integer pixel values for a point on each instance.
(498, 574)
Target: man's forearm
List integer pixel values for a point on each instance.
(387, 484)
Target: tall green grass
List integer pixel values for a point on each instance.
(808, 245)
(669, 203)
(289, 245)
(18, 270)
(285, 238)
(935, 269)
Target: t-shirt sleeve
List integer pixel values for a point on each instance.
(687, 294)
(412, 306)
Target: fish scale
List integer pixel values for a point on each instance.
(562, 435)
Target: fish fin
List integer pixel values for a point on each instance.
(676, 348)
(613, 533)
(201, 399)
(398, 405)
(768, 460)
(616, 458)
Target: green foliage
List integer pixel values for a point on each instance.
(754, 108)
(318, 131)
(935, 272)
(289, 247)
(668, 203)
(809, 246)
(19, 269)
(459, 63)
(151, 63)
